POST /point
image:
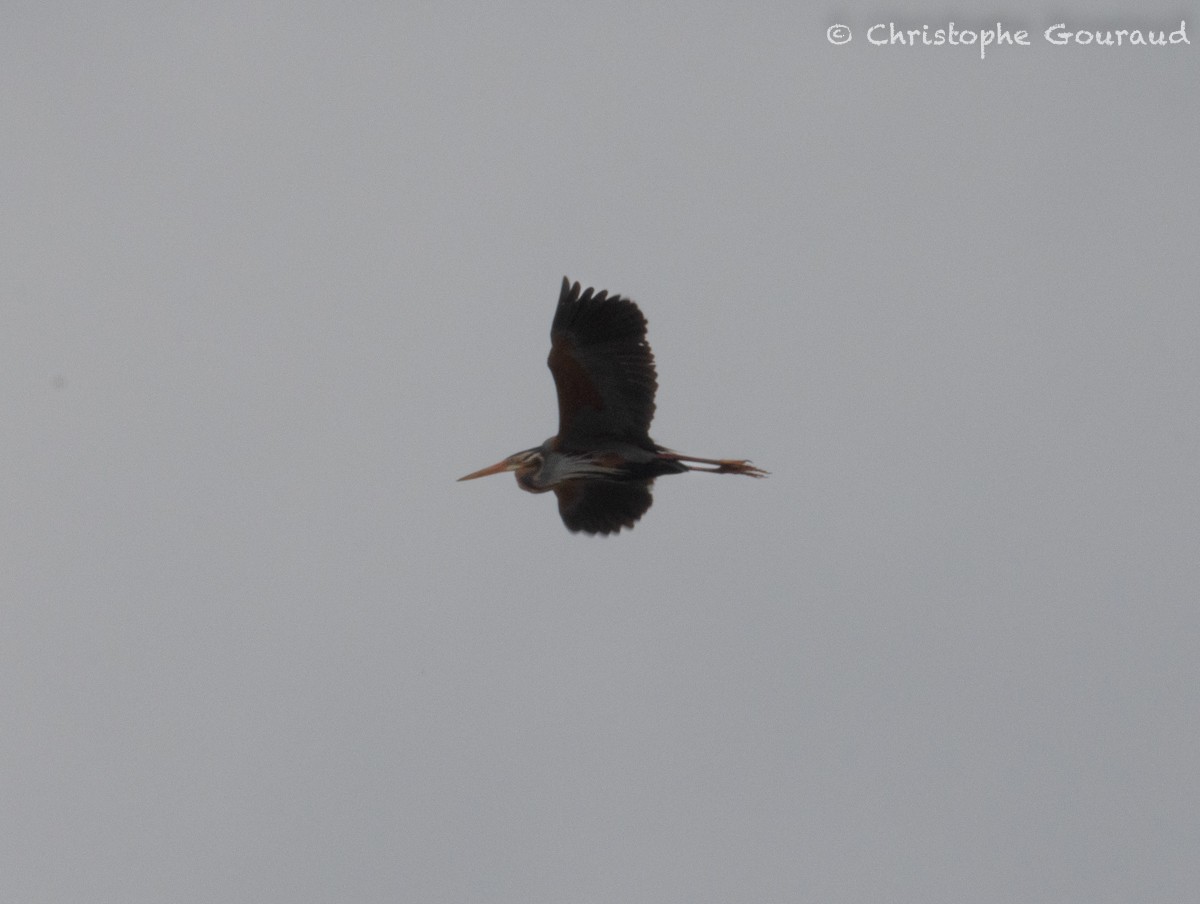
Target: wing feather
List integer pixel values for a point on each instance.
(602, 506)
(603, 369)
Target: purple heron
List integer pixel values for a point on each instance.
(602, 462)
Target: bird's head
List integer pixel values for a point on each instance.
(523, 463)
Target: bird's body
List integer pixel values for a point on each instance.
(602, 461)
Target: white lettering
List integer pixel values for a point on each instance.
(889, 34)
(1058, 34)
(1055, 34)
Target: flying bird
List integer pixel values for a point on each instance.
(602, 462)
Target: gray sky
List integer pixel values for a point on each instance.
(275, 275)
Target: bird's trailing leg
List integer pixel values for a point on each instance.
(720, 465)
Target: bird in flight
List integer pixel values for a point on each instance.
(602, 462)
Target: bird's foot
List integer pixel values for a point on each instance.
(737, 466)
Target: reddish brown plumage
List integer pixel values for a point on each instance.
(602, 506)
(603, 369)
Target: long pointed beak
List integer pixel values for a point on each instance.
(498, 468)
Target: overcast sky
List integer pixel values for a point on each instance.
(274, 275)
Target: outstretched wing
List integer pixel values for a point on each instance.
(602, 506)
(603, 369)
